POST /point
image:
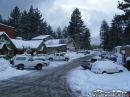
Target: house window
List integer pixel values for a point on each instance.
(10, 53)
(2, 39)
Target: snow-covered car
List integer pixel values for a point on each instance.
(106, 67)
(46, 62)
(58, 56)
(22, 61)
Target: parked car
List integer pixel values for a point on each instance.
(46, 62)
(83, 51)
(86, 64)
(106, 67)
(58, 56)
(23, 61)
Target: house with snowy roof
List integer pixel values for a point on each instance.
(52, 44)
(6, 45)
(22, 45)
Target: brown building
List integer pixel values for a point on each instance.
(7, 29)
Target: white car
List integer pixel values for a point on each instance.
(58, 56)
(23, 61)
(106, 67)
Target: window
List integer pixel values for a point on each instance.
(21, 58)
(61, 55)
(31, 59)
(57, 54)
(10, 53)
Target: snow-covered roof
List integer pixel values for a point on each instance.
(42, 37)
(2, 32)
(20, 44)
(55, 45)
(118, 46)
(6, 25)
(54, 41)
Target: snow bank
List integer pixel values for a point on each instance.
(3, 64)
(86, 81)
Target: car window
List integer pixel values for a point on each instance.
(31, 59)
(61, 54)
(57, 54)
(21, 58)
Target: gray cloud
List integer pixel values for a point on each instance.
(58, 12)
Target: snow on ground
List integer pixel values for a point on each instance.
(85, 81)
(6, 71)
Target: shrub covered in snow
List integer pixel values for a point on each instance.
(3, 64)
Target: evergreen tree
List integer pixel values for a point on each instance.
(1, 19)
(49, 30)
(24, 25)
(86, 39)
(126, 35)
(54, 35)
(58, 32)
(14, 20)
(65, 32)
(34, 22)
(104, 35)
(116, 34)
(125, 6)
(76, 26)
(45, 27)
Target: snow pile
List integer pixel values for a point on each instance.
(12, 72)
(3, 64)
(86, 81)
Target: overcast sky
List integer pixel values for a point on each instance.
(58, 12)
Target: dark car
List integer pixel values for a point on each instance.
(86, 64)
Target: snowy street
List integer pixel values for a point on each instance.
(48, 82)
(60, 79)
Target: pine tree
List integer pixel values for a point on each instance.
(49, 30)
(59, 33)
(14, 20)
(24, 25)
(126, 35)
(87, 39)
(65, 32)
(76, 26)
(1, 19)
(104, 35)
(34, 22)
(116, 34)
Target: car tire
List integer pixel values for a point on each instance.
(51, 59)
(66, 59)
(39, 67)
(104, 72)
(20, 66)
